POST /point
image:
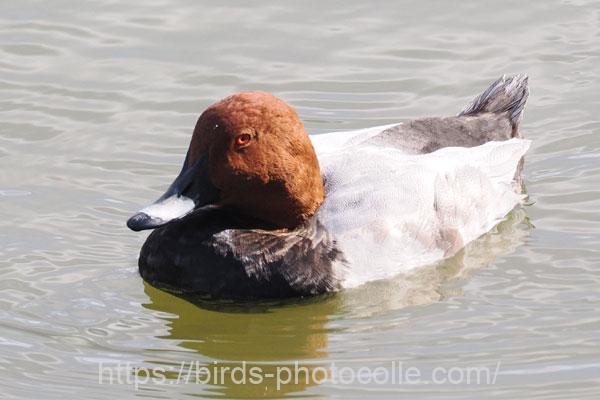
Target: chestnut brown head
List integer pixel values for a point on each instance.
(249, 153)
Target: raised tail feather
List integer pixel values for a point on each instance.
(507, 95)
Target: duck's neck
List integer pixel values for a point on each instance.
(279, 204)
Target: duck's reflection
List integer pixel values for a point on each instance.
(273, 336)
(270, 336)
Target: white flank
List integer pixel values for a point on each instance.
(391, 212)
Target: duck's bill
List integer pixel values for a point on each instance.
(190, 191)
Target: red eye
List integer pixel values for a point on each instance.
(243, 140)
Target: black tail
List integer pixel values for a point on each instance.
(507, 95)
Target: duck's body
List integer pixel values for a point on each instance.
(234, 257)
(398, 211)
(396, 197)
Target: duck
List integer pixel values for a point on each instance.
(262, 210)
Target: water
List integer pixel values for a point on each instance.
(97, 104)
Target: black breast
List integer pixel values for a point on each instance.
(221, 255)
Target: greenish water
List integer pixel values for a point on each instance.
(97, 103)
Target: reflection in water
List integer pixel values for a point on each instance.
(265, 335)
(274, 335)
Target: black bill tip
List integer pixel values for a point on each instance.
(141, 221)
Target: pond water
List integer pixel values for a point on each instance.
(97, 103)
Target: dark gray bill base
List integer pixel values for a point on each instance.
(190, 191)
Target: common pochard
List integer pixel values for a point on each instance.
(262, 210)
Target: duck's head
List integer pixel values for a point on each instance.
(249, 153)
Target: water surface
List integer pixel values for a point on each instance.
(97, 103)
